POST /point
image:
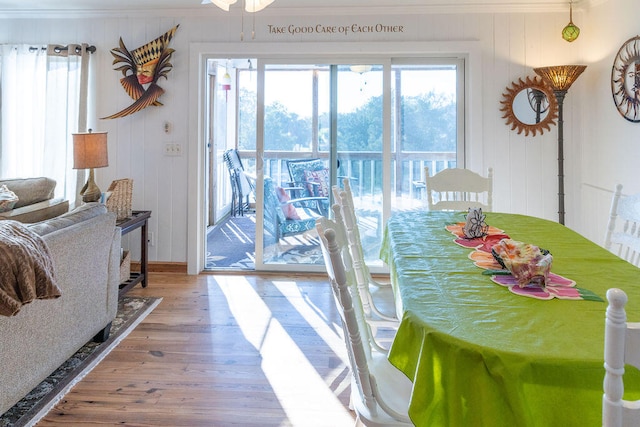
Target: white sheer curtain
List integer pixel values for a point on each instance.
(44, 101)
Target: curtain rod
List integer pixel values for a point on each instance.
(58, 49)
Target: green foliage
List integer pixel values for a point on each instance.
(427, 123)
(361, 130)
(247, 120)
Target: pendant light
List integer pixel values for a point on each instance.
(571, 31)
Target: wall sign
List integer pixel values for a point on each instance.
(354, 28)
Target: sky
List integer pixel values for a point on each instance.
(294, 89)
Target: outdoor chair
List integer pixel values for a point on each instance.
(623, 230)
(310, 178)
(241, 187)
(458, 190)
(380, 393)
(621, 347)
(284, 216)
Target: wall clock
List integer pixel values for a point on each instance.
(625, 80)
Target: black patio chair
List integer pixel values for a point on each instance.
(241, 186)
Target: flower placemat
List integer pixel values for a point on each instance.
(556, 287)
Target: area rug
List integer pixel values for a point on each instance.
(131, 311)
(232, 246)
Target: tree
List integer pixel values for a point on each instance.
(428, 123)
(247, 103)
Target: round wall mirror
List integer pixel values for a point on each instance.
(529, 106)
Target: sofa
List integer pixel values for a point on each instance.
(84, 247)
(36, 201)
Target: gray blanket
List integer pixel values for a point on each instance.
(26, 268)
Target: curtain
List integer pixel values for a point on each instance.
(45, 98)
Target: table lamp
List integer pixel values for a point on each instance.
(90, 152)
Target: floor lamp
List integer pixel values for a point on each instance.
(89, 152)
(560, 78)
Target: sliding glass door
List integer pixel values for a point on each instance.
(303, 127)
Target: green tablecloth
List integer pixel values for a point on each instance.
(479, 355)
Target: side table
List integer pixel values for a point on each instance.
(138, 219)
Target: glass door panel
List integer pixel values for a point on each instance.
(296, 182)
(427, 126)
(359, 148)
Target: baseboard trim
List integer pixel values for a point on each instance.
(181, 267)
(162, 267)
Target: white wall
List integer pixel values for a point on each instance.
(510, 45)
(611, 144)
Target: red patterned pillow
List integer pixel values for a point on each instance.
(288, 209)
(8, 199)
(322, 178)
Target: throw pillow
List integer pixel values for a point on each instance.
(288, 209)
(321, 177)
(8, 199)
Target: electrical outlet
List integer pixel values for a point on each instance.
(152, 239)
(173, 149)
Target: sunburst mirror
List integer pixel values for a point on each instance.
(625, 80)
(529, 106)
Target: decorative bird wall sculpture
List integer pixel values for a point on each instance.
(143, 66)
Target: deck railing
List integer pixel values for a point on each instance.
(364, 168)
(365, 171)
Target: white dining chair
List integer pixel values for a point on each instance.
(374, 294)
(456, 189)
(621, 346)
(380, 392)
(623, 230)
(372, 325)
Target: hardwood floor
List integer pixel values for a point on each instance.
(222, 350)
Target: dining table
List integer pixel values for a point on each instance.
(482, 351)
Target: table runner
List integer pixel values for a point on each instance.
(478, 355)
(481, 255)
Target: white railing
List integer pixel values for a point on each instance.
(365, 168)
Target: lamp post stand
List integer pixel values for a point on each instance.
(560, 78)
(560, 99)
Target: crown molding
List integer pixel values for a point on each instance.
(129, 9)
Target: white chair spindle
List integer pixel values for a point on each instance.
(621, 346)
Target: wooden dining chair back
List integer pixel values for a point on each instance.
(380, 393)
(367, 285)
(456, 189)
(623, 229)
(621, 346)
(322, 224)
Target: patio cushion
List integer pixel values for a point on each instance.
(321, 180)
(298, 167)
(288, 209)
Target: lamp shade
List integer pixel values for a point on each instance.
(249, 5)
(90, 150)
(223, 4)
(360, 68)
(560, 77)
(256, 5)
